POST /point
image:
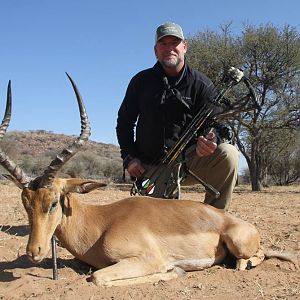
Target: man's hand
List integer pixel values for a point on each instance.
(135, 168)
(206, 145)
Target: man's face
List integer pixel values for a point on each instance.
(170, 51)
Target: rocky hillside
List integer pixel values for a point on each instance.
(40, 142)
(33, 149)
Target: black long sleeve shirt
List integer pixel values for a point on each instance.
(160, 108)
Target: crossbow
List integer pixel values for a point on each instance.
(163, 180)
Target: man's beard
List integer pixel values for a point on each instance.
(171, 63)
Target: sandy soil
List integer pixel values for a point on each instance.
(276, 213)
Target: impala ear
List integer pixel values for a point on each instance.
(81, 186)
(14, 180)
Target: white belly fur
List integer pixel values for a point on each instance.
(194, 264)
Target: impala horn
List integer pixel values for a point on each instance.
(17, 173)
(59, 161)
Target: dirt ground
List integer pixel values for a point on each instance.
(276, 213)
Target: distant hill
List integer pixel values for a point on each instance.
(39, 146)
(39, 142)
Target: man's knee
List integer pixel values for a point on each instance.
(229, 154)
(221, 163)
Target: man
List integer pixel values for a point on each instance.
(161, 102)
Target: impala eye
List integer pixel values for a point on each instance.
(27, 206)
(25, 203)
(53, 206)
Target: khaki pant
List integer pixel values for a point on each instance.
(219, 169)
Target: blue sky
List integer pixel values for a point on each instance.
(101, 44)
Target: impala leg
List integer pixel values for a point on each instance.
(132, 271)
(253, 261)
(243, 242)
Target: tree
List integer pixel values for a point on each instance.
(270, 58)
(285, 169)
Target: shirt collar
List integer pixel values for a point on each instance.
(159, 70)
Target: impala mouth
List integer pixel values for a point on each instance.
(35, 259)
